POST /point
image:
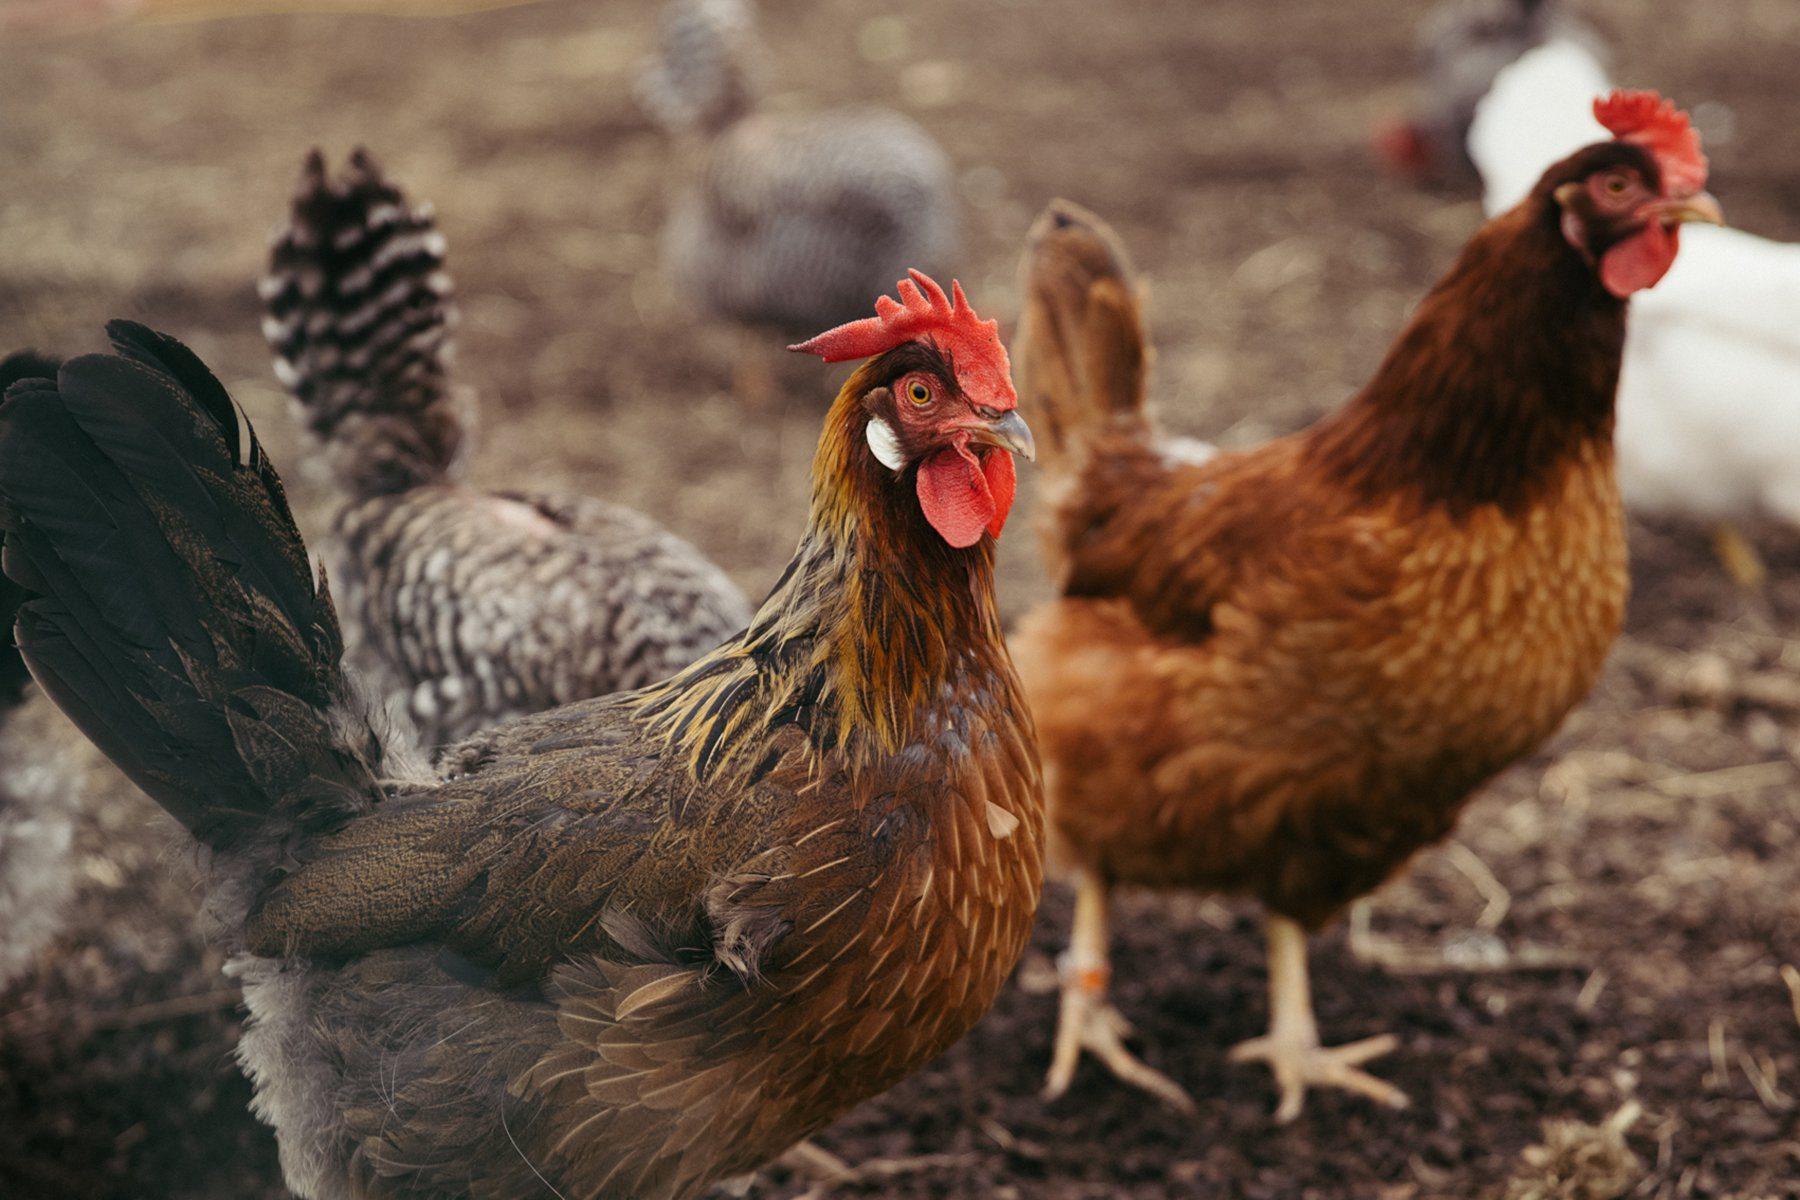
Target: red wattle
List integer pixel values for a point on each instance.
(1002, 481)
(955, 496)
(1639, 261)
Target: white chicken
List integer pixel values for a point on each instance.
(1709, 398)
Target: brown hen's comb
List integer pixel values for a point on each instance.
(924, 313)
(1648, 120)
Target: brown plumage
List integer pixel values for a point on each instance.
(1281, 671)
(620, 949)
(467, 606)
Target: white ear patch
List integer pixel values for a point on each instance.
(884, 443)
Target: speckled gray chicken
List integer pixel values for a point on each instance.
(467, 606)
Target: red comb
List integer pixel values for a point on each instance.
(924, 313)
(1648, 120)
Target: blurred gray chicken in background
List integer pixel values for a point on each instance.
(469, 606)
(1462, 46)
(793, 219)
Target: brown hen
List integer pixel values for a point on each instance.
(620, 949)
(1280, 672)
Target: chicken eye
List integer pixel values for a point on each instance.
(917, 392)
(1616, 185)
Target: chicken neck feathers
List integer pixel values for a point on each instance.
(1509, 366)
(1709, 399)
(875, 625)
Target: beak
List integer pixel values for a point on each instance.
(1009, 432)
(1699, 207)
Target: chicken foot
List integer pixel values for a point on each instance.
(1291, 1047)
(1087, 1021)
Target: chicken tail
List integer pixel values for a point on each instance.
(15, 368)
(169, 608)
(358, 312)
(1079, 357)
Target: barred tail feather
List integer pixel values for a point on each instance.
(358, 313)
(1080, 359)
(170, 608)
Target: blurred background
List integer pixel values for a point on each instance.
(1589, 983)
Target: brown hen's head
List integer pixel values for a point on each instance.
(1622, 202)
(937, 402)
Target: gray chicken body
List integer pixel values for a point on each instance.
(798, 218)
(791, 218)
(464, 606)
(473, 607)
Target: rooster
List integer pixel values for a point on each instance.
(469, 606)
(1709, 400)
(1282, 671)
(792, 219)
(627, 947)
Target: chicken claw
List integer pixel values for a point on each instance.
(1299, 1065)
(1087, 1021)
(1291, 1047)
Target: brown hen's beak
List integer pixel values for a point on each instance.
(1009, 432)
(1699, 207)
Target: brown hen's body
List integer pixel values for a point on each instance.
(617, 950)
(1372, 664)
(1280, 672)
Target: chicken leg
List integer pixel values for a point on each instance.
(1291, 1047)
(1087, 1021)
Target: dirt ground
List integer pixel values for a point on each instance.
(1588, 984)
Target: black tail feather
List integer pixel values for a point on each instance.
(16, 368)
(171, 611)
(26, 364)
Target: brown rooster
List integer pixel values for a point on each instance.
(633, 945)
(1282, 671)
